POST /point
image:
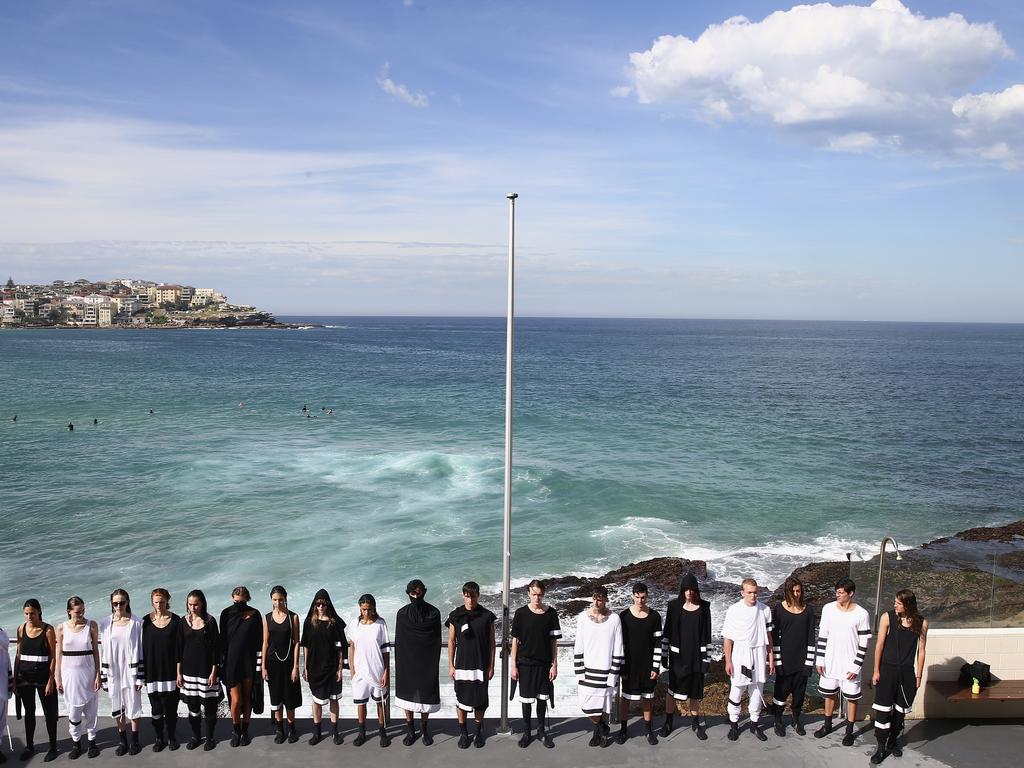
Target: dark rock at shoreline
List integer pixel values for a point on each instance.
(952, 576)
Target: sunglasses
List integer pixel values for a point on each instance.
(118, 603)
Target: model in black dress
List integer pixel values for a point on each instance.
(241, 646)
(198, 648)
(685, 640)
(160, 638)
(33, 675)
(281, 663)
(325, 656)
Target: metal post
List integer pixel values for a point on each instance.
(881, 568)
(506, 569)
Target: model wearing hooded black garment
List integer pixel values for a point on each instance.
(685, 641)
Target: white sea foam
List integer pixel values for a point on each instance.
(770, 563)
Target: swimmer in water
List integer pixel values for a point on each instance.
(95, 422)
(71, 427)
(151, 410)
(305, 408)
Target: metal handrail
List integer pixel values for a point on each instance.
(881, 571)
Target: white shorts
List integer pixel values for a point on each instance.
(363, 691)
(595, 701)
(127, 702)
(830, 686)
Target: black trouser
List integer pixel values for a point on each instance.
(894, 698)
(795, 684)
(163, 709)
(27, 696)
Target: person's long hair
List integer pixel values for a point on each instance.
(787, 589)
(909, 600)
(127, 601)
(198, 594)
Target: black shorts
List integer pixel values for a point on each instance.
(534, 684)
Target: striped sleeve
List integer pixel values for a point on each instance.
(554, 627)
(776, 646)
(823, 630)
(618, 654)
(657, 655)
(863, 638)
(578, 664)
(811, 646)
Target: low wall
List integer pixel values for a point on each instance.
(950, 649)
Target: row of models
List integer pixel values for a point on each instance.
(189, 658)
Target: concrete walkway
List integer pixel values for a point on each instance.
(932, 744)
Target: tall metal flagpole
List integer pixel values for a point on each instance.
(506, 570)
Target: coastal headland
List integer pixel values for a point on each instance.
(125, 303)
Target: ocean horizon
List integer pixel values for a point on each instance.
(756, 445)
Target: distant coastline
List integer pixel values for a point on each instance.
(125, 303)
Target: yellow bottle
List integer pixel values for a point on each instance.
(976, 687)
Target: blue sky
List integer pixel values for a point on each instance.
(846, 161)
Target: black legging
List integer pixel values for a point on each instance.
(197, 708)
(27, 696)
(163, 708)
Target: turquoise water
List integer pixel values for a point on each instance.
(756, 445)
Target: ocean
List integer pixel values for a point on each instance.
(758, 446)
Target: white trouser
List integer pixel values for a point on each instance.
(83, 712)
(756, 693)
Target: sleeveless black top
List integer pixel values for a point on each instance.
(280, 640)
(34, 662)
(900, 643)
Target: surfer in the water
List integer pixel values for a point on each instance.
(95, 422)
(71, 427)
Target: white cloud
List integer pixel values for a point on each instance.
(399, 91)
(849, 78)
(994, 123)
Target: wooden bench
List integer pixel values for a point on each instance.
(1002, 690)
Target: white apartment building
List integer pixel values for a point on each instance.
(105, 314)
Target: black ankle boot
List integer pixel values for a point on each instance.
(668, 725)
(879, 755)
(410, 734)
(210, 726)
(734, 731)
(279, 733)
(849, 738)
(826, 728)
(293, 735)
(798, 726)
(134, 748)
(122, 747)
(236, 734)
(317, 736)
(93, 750)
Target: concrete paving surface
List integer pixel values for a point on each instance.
(929, 744)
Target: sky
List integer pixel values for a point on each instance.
(726, 159)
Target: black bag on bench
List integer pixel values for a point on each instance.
(977, 670)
